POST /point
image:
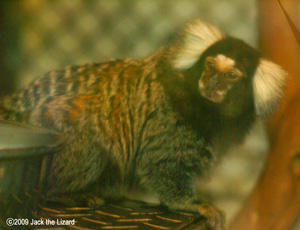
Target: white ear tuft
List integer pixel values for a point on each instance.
(196, 37)
(268, 85)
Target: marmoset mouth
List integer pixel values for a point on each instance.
(216, 96)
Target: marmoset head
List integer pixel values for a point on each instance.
(228, 71)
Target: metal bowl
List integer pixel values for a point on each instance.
(26, 154)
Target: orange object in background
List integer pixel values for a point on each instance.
(275, 202)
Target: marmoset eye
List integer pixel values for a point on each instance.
(210, 65)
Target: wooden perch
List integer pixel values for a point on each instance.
(275, 202)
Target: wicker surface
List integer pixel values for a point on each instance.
(121, 215)
(111, 215)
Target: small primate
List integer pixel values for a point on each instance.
(156, 124)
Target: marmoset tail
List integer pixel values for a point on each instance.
(155, 124)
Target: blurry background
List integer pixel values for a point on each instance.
(37, 36)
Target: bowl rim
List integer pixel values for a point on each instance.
(34, 151)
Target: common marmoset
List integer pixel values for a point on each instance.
(157, 123)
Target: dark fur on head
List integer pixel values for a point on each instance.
(221, 124)
(200, 39)
(225, 123)
(247, 57)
